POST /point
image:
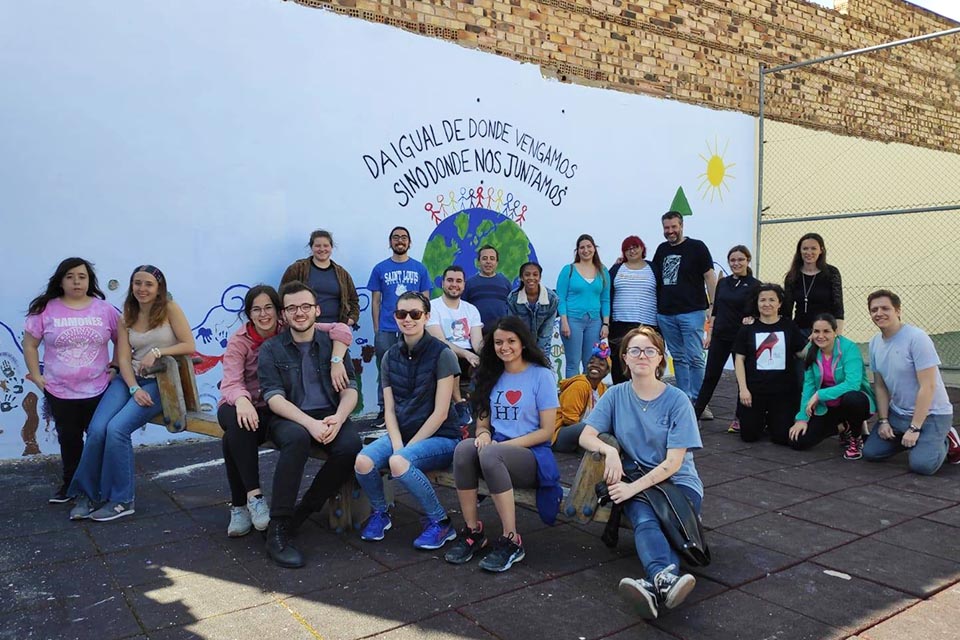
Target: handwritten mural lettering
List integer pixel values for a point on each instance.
(527, 159)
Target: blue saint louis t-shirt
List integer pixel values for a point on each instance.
(392, 280)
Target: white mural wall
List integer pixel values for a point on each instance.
(211, 138)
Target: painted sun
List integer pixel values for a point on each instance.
(715, 179)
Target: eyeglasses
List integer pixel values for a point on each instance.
(303, 308)
(650, 352)
(401, 314)
(635, 247)
(399, 237)
(256, 311)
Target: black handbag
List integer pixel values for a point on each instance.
(678, 520)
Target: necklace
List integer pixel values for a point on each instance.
(806, 289)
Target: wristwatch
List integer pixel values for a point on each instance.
(336, 360)
(914, 429)
(134, 389)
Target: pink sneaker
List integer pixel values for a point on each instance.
(734, 426)
(854, 448)
(953, 446)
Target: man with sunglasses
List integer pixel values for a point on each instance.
(310, 408)
(389, 280)
(458, 323)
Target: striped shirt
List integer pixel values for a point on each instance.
(635, 295)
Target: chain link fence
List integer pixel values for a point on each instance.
(889, 212)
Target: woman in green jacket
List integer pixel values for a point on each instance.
(837, 396)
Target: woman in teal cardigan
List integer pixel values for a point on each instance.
(837, 396)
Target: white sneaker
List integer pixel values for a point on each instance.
(239, 522)
(707, 413)
(259, 513)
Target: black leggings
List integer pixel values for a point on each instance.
(717, 355)
(853, 409)
(72, 418)
(771, 411)
(241, 451)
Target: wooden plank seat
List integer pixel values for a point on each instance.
(181, 411)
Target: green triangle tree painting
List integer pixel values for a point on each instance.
(680, 204)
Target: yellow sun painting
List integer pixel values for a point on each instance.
(714, 179)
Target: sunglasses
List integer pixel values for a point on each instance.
(401, 314)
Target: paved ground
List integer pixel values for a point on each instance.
(805, 545)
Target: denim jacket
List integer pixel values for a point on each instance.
(280, 363)
(541, 320)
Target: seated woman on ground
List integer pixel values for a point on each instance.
(515, 402)
(837, 396)
(417, 374)
(656, 427)
(578, 396)
(242, 411)
(152, 327)
(764, 355)
(914, 412)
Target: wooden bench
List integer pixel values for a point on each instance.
(181, 411)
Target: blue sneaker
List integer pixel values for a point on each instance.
(376, 525)
(436, 534)
(463, 413)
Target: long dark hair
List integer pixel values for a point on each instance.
(131, 306)
(752, 306)
(797, 263)
(811, 355)
(598, 265)
(55, 285)
(490, 369)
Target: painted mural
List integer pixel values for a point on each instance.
(215, 159)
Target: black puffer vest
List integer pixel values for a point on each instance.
(413, 380)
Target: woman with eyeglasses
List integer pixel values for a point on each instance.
(657, 430)
(417, 375)
(242, 410)
(633, 295)
(516, 407)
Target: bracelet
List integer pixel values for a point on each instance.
(484, 433)
(156, 352)
(914, 429)
(882, 421)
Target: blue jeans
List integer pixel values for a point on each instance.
(652, 546)
(382, 341)
(683, 333)
(106, 472)
(577, 349)
(926, 456)
(426, 455)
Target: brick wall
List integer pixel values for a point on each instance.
(708, 52)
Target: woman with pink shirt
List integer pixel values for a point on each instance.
(74, 323)
(242, 409)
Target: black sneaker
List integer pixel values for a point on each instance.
(467, 544)
(641, 595)
(671, 588)
(60, 496)
(381, 422)
(505, 553)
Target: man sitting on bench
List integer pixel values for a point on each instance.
(296, 383)
(458, 323)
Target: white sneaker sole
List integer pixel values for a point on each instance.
(642, 600)
(112, 516)
(680, 591)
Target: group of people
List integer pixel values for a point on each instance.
(477, 355)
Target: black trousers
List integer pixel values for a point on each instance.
(853, 409)
(717, 356)
(72, 418)
(615, 337)
(241, 451)
(294, 443)
(771, 411)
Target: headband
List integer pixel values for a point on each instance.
(152, 270)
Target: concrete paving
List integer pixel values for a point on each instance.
(805, 545)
